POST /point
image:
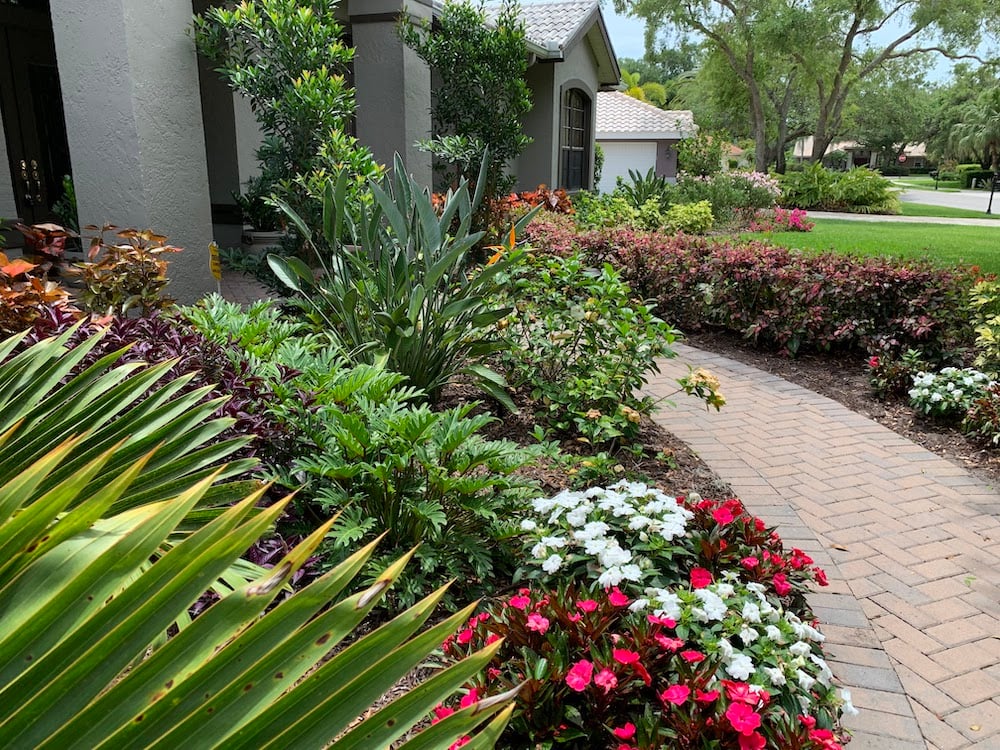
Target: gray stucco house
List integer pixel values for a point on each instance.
(113, 93)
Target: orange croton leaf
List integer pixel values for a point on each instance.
(15, 267)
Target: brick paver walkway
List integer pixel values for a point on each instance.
(910, 541)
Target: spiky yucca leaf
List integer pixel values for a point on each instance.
(79, 619)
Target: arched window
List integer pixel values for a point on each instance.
(574, 141)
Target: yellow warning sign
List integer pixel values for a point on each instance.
(213, 261)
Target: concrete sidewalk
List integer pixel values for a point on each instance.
(909, 219)
(910, 541)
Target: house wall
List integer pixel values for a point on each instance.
(539, 163)
(393, 85)
(129, 77)
(8, 207)
(535, 164)
(666, 159)
(621, 156)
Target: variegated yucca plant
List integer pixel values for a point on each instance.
(102, 556)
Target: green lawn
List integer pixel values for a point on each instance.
(922, 209)
(926, 183)
(945, 244)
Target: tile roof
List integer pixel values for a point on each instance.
(622, 116)
(556, 22)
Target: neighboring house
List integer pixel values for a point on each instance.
(112, 92)
(636, 135)
(861, 156)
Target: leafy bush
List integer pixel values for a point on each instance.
(733, 195)
(784, 298)
(948, 393)
(891, 374)
(643, 188)
(87, 653)
(24, 297)
(581, 344)
(366, 450)
(702, 154)
(858, 190)
(418, 476)
(289, 60)
(615, 210)
(984, 302)
(692, 218)
(723, 653)
(125, 276)
(405, 293)
(983, 417)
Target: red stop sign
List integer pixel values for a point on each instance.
(902, 158)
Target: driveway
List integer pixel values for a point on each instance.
(972, 200)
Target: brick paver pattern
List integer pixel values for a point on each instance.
(910, 541)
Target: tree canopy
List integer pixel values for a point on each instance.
(778, 51)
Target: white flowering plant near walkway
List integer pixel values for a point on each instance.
(653, 621)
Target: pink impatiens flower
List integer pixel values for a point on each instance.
(624, 656)
(752, 741)
(607, 680)
(626, 732)
(676, 694)
(723, 516)
(579, 675)
(538, 623)
(692, 657)
(781, 584)
(520, 602)
(700, 578)
(617, 598)
(742, 718)
(587, 605)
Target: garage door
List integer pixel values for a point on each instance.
(621, 156)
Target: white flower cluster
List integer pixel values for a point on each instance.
(603, 523)
(950, 391)
(776, 645)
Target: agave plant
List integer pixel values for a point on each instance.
(405, 292)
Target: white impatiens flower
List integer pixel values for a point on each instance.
(668, 604)
(638, 522)
(773, 633)
(631, 572)
(552, 563)
(800, 648)
(613, 555)
(825, 675)
(638, 605)
(848, 708)
(751, 612)
(749, 635)
(740, 667)
(528, 525)
(610, 577)
(578, 516)
(806, 681)
(539, 551)
(726, 649)
(596, 546)
(714, 607)
(556, 542)
(775, 675)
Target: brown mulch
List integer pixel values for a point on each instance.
(845, 379)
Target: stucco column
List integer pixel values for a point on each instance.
(129, 77)
(392, 85)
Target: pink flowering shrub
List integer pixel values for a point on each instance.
(781, 220)
(786, 299)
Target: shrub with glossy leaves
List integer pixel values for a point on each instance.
(581, 344)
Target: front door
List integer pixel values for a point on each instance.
(31, 106)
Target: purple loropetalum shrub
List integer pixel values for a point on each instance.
(787, 299)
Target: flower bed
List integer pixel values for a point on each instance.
(654, 621)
